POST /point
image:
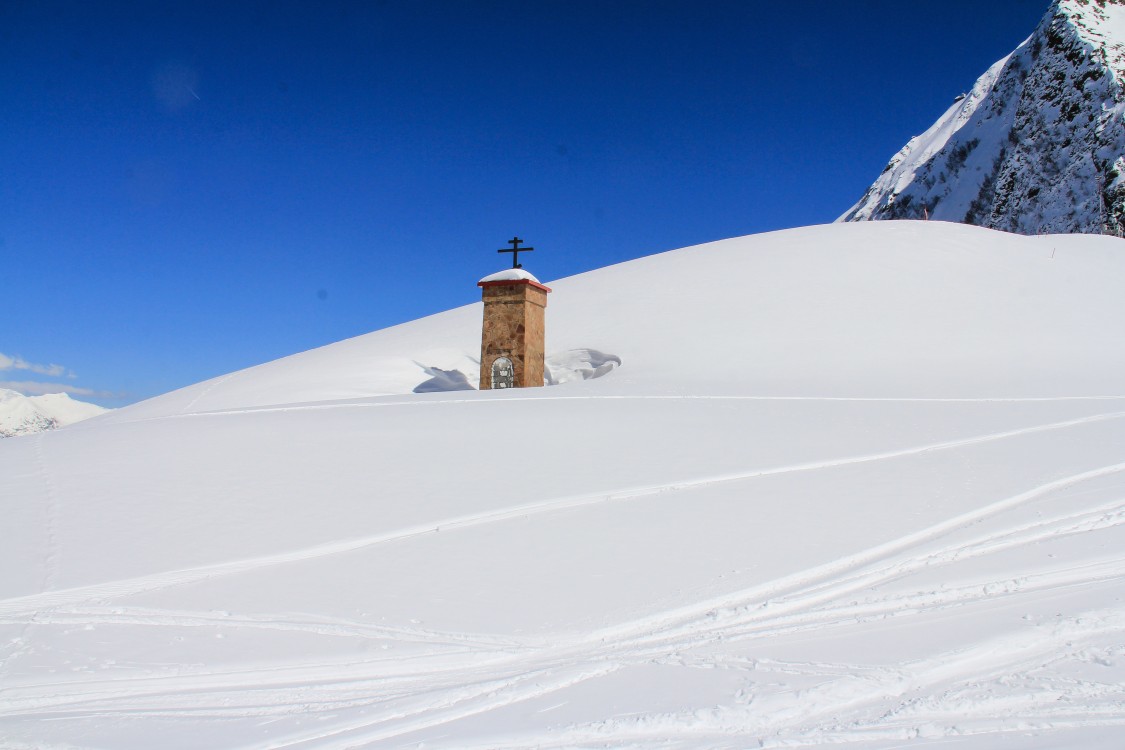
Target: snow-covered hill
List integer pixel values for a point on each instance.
(1037, 145)
(26, 415)
(855, 485)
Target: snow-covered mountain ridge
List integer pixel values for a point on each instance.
(1037, 145)
(856, 485)
(26, 415)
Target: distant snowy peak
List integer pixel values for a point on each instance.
(1037, 145)
(26, 415)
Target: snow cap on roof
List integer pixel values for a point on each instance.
(510, 274)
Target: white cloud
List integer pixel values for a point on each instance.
(19, 363)
(37, 388)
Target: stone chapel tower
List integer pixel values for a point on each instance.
(513, 335)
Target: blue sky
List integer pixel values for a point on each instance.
(190, 188)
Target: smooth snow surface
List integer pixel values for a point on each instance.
(861, 486)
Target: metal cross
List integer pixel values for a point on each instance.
(515, 250)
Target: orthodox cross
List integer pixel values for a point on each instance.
(515, 250)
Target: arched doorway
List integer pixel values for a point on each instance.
(503, 373)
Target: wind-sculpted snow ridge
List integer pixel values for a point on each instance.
(1037, 145)
(579, 364)
(560, 367)
(862, 488)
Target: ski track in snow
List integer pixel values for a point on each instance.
(558, 667)
(204, 391)
(119, 588)
(481, 398)
(988, 661)
(453, 676)
(50, 562)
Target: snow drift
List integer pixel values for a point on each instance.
(852, 484)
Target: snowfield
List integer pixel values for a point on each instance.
(859, 485)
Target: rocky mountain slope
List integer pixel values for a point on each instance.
(1037, 145)
(26, 415)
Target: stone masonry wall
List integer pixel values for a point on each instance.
(514, 327)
